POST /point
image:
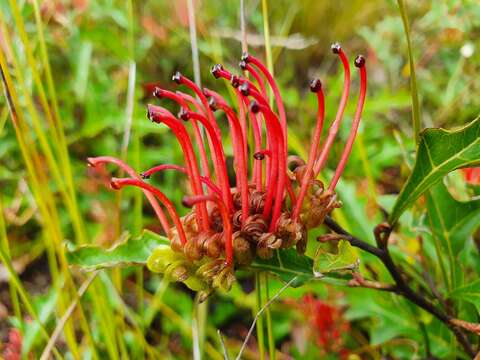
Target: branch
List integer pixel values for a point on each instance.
(382, 233)
(359, 281)
(354, 241)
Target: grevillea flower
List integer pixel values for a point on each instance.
(326, 322)
(472, 175)
(269, 206)
(13, 347)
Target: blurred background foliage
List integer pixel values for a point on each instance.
(95, 46)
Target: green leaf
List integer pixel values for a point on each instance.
(469, 292)
(439, 152)
(452, 221)
(126, 253)
(345, 259)
(45, 307)
(287, 263)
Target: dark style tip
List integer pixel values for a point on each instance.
(259, 156)
(157, 92)
(235, 81)
(315, 85)
(254, 107)
(245, 57)
(244, 89)
(360, 61)
(144, 176)
(90, 163)
(177, 77)
(212, 103)
(243, 65)
(184, 114)
(186, 202)
(216, 70)
(114, 184)
(336, 47)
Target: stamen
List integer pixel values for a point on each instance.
(239, 154)
(160, 115)
(180, 79)
(156, 207)
(218, 71)
(182, 101)
(207, 181)
(316, 87)
(360, 64)
(247, 67)
(276, 93)
(257, 177)
(217, 97)
(279, 160)
(272, 163)
(248, 90)
(236, 81)
(320, 163)
(220, 163)
(189, 201)
(117, 184)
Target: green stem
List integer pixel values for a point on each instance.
(6, 249)
(413, 78)
(258, 306)
(271, 340)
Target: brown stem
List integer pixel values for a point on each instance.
(402, 287)
(359, 281)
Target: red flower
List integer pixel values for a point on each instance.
(13, 348)
(270, 206)
(472, 175)
(327, 324)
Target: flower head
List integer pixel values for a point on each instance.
(269, 207)
(472, 175)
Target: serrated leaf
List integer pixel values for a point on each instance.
(345, 259)
(439, 152)
(287, 263)
(127, 253)
(452, 221)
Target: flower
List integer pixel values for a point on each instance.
(472, 175)
(270, 207)
(13, 347)
(327, 324)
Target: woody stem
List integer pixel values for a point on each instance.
(383, 254)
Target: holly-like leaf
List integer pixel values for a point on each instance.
(127, 253)
(439, 152)
(287, 263)
(451, 221)
(345, 259)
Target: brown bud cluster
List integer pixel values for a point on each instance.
(318, 203)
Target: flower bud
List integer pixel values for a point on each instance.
(254, 227)
(242, 249)
(177, 273)
(193, 249)
(196, 284)
(266, 244)
(213, 245)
